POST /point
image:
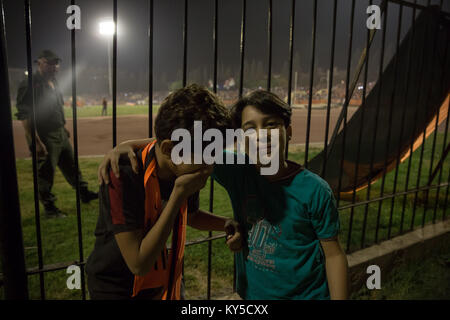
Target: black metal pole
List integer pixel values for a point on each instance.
(11, 242)
(242, 48)
(33, 147)
(391, 110)
(311, 82)
(344, 113)
(330, 89)
(211, 186)
(75, 155)
(422, 147)
(269, 44)
(358, 153)
(344, 108)
(150, 71)
(114, 79)
(402, 125)
(444, 154)
(433, 148)
(411, 147)
(352, 87)
(291, 50)
(185, 41)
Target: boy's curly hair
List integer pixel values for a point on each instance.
(184, 106)
(267, 102)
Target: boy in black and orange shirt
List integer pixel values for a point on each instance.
(138, 212)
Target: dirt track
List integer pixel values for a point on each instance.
(95, 134)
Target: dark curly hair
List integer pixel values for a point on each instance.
(265, 101)
(184, 106)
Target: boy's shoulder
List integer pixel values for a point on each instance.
(311, 184)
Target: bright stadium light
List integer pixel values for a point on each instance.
(106, 28)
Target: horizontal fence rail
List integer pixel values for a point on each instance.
(353, 182)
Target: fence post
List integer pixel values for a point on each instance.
(11, 242)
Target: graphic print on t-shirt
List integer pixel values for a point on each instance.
(262, 237)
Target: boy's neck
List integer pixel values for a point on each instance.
(281, 172)
(163, 171)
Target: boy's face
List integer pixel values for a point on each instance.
(179, 169)
(253, 118)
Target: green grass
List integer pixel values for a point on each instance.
(95, 111)
(60, 237)
(428, 279)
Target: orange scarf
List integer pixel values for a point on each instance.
(168, 268)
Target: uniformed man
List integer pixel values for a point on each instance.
(52, 138)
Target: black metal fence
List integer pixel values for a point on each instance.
(14, 272)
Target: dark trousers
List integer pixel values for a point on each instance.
(60, 153)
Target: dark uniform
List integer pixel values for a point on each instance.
(50, 123)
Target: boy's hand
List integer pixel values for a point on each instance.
(188, 184)
(111, 160)
(234, 239)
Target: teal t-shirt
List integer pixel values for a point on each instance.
(283, 222)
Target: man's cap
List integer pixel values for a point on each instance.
(49, 55)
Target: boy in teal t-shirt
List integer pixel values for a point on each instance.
(283, 221)
(289, 220)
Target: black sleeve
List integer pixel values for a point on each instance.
(126, 198)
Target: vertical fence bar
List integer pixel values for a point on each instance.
(150, 70)
(241, 90)
(185, 35)
(354, 83)
(311, 82)
(242, 48)
(291, 50)
(345, 106)
(380, 81)
(442, 167)
(433, 148)
(413, 133)
(114, 80)
(269, 43)
(330, 89)
(75, 156)
(446, 197)
(11, 242)
(344, 129)
(422, 149)
(391, 110)
(412, 138)
(33, 147)
(402, 125)
(380, 73)
(211, 186)
(358, 153)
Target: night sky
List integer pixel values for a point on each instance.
(49, 31)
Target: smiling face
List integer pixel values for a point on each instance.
(253, 118)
